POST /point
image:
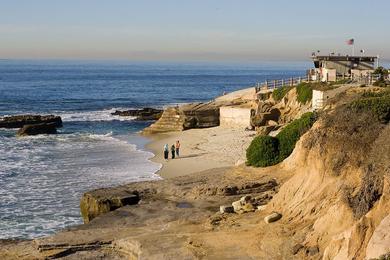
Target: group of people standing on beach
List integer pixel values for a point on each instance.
(175, 150)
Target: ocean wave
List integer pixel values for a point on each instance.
(97, 115)
(55, 165)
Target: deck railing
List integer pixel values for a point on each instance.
(277, 83)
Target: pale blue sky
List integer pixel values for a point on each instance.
(191, 30)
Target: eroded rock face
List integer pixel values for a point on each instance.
(200, 115)
(261, 119)
(143, 114)
(196, 115)
(21, 120)
(36, 129)
(100, 201)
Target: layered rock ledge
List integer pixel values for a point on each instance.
(196, 115)
(144, 114)
(19, 121)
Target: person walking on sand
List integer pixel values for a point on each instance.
(177, 148)
(166, 152)
(173, 151)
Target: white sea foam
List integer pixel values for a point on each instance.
(43, 177)
(98, 115)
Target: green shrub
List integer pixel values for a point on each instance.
(263, 151)
(380, 83)
(383, 73)
(380, 106)
(304, 92)
(367, 94)
(266, 150)
(292, 132)
(279, 93)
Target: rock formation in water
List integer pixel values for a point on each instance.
(144, 114)
(21, 120)
(37, 129)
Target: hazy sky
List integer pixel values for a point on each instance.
(216, 30)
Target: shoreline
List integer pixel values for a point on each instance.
(201, 149)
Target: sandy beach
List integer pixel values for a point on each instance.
(201, 149)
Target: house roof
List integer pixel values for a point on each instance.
(345, 58)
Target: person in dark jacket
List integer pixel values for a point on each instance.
(166, 152)
(173, 150)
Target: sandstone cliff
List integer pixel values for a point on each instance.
(196, 115)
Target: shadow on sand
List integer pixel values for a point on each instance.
(190, 155)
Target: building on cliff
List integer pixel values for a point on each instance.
(332, 67)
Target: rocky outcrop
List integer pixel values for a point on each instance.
(36, 129)
(21, 120)
(172, 119)
(196, 115)
(144, 114)
(262, 118)
(200, 115)
(101, 201)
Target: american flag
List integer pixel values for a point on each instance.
(350, 41)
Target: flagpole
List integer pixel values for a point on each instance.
(353, 49)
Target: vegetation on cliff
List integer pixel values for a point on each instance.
(304, 92)
(279, 93)
(290, 135)
(263, 151)
(266, 150)
(377, 103)
(383, 73)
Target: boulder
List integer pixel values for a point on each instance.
(272, 217)
(36, 129)
(19, 121)
(245, 204)
(237, 206)
(101, 201)
(246, 199)
(261, 119)
(226, 209)
(313, 250)
(296, 249)
(264, 107)
(143, 114)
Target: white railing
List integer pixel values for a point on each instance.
(277, 83)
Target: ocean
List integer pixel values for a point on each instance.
(42, 178)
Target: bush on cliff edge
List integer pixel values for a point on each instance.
(379, 105)
(304, 92)
(280, 92)
(290, 135)
(263, 151)
(267, 150)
